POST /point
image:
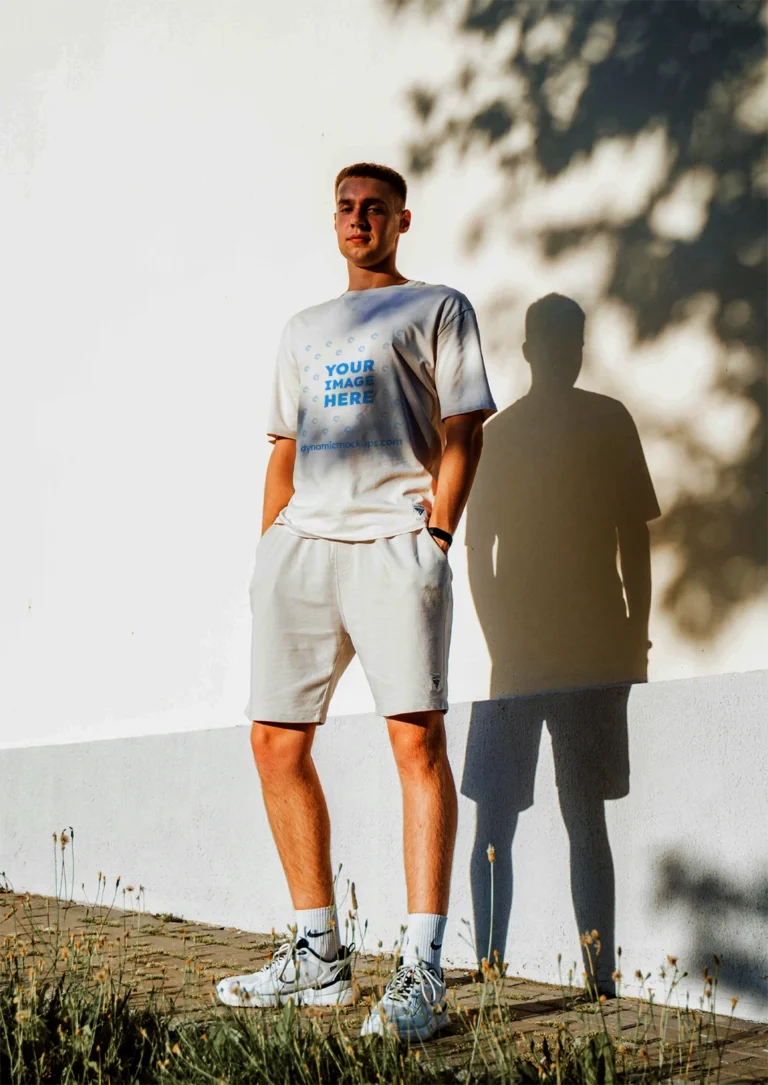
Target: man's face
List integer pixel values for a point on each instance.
(369, 220)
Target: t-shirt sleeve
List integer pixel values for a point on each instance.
(460, 377)
(282, 419)
(635, 492)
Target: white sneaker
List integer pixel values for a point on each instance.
(295, 974)
(413, 1006)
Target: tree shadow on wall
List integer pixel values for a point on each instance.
(721, 919)
(543, 89)
(561, 490)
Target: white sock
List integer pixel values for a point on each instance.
(320, 927)
(424, 939)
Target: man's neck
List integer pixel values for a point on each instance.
(371, 278)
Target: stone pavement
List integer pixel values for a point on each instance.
(182, 961)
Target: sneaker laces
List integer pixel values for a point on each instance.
(287, 950)
(400, 987)
(279, 958)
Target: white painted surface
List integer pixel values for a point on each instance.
(167, 199)
(166, 192)
(182, 816)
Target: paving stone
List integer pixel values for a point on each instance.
(176, 960)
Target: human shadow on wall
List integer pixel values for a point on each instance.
(561, 488)
(538, 98)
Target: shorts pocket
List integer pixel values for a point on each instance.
(435, 558)
(263, 562)
(263, 537)
(436, 546)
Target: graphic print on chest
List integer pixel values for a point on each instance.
(346, 402)
(357, 376)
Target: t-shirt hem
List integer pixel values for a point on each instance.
(383, 533)
(484, 407)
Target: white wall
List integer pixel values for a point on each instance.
(167, 199)
(166, 193)
(182, 816)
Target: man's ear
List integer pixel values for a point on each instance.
(527, 352)
(405, 221)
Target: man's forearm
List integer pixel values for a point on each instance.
(278, 484)
(457, 472)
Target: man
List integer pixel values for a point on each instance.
(376, 418)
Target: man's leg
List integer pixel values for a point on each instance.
(312, 968)
(398, 614)
(296, 809)
(298, 817)
(413, 1004)
(429, 819)
(299, 649)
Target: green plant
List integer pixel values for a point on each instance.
(72, 1010)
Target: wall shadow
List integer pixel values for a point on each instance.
(718, 913)
(588, 729)
(562, 498)
(539, 91)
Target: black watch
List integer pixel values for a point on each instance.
(438, 533)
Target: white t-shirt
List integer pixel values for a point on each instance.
(363, 383)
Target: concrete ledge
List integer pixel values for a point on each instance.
(682, 831)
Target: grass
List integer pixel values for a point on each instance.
(72, 1010)
(73, 1031)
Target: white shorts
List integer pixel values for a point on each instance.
(315, 602)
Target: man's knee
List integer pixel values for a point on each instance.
(418, 742)
(280, 748)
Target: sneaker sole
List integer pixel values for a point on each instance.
(423, 1032)
(340, 994)
(336, 994)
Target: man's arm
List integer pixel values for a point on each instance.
(635, 556)
(278, 484)
(461, 455)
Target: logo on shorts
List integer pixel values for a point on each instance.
(436, 681)
(420, 509)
